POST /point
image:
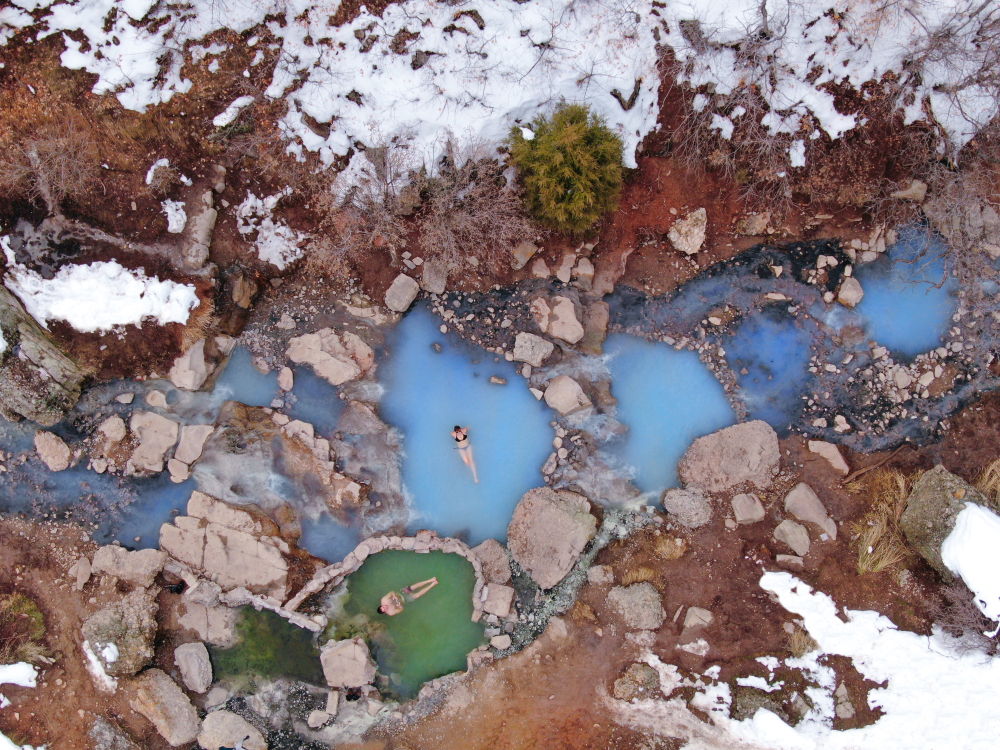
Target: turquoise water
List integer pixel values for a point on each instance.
(241, 381)
(667, 398)
(314, 401)
(427, 394)
(908, 299)
(328, 539)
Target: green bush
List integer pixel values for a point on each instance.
(571, 168)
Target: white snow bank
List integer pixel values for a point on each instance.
(934, 698)
(176, 216)
(22, 674)
(8, 744)
(972, 551)
(101, 296)
(104, 681)
(232, 111)
(276, 243)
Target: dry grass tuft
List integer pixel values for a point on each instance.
(22, 630)
(881, 543)
(582, 612)
(801, 643)
(200, 323)
(989, 483)
(670, 547)
(637, 575)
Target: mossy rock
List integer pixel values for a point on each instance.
(639, 681)
(747, 701)
(937, 498)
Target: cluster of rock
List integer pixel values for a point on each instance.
(335, 357)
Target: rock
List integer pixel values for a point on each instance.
(493, 558)
(845, 709)
(688, 234)
(156, 399)
(742, 453)
(286, 322)
(215, 625)
(565, 395)
(336, 358)
(189, 370)
(748, 701)
(753, 225)
(565, 271)
(244, 289)
(600, 575)
(794, 535)
(532, 349)
(831, 453)
(193, 437)
(139, 567)
(286, 379)
(434, 277)
(332, 702)
(522, 254)
(347, 663)
(195, 667)
(80, 573)
(157, 435)
(129, 624)
(317, 719)
(198, 232)
(224, 729)
(916, 192)
(539, 269)
(595, 327)
(850, 292)
(112, 431)
(401, 293)
(688, 507)
(500, 642)
(52, 450)
(639, 681)
(639, 605)
(125, 398)
(563, 323)
(548, 532)
(178, 470)
(540, 312)
(791, 562)
(936, 499)
(696, 617)
(806, 506)
(747, 509)
(160, 700)
(498, 600)
(584, 274)
(109, 736)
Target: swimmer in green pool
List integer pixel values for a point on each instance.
(392, 603)
(461, 435)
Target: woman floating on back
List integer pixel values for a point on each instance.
(392, 603)
(461, 435)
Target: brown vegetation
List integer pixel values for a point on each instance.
(880, 541)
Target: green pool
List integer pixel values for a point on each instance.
(433, 634)
(269, 646)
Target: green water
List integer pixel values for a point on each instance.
(269, 646)
(433, 634)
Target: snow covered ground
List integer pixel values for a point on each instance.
(21, 674)
(101, 296)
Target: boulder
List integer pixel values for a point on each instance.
(850, 292)
(697, 617)
(832, 454)
(639, 681)
(224, 729)
(107, 735)
(215, 625)
(80, 573)
(193, 437)
(500, 642)
(498, 601)
(139, 567)
(688, 234)
(565, 270)
(286, 379)
(595, 326)
(317, 719)
(688, 507)
(753, 225)
(743, 453)
(189, 370)
(532, 349)
(548, 533)
(639, 605)
(401, 293)
(195, 666)
(747, 509)
(565, 395)
(522, 254)
(936, 499)
(584, 274)
(112, 431)
(494, 561)
(52, 450)
(335, 357)
(794, 535)
(121, 635)
(563, 323)
(434, 277)
(347, 663)
(540, 312)
(157, 435)
(806, 506)
(160, 700)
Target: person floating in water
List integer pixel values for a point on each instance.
(392, 603)
(461, 435)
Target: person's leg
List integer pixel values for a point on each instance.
(472, 465)
(429, 585)
(419, 584)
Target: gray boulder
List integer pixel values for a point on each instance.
(747, 509)
(639, 681)
(565, 395)
(806, 506)
(107, 735)
(532, 349)
(157, 435)
(337, 358)
(937, 498)
(347, 663)
(189, 370)
(52, 450)
(225, 729)
(743, 453)
(850, 292)
(548, 533)
(434, 276)
(688, 507)
(121, 635)
(401, 293)
(139, 567)
(794, 535)
(495, 563)
(688, 234)
(160, 700)
(639, 605)
(195, 666)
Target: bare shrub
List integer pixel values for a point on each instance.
(164, 179)
(801, 643)
(957, 614)
(988, 482)
(470, 209)
(881, 543)
(56, 162)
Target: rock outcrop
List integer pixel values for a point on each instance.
(139, 568)
(160, 700)
(52, 450)
(565, 395)
(347, 663)
(937, 498)
(548, 533)
(639, 605)
(195, 666)
(743, 453)
(121, 635)
(562, 322)
(224, 729)
(688, 507)
(337, 358)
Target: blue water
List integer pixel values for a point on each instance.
(667, 398)
(427, 394)
(241, 381)
(315, 401)
(774, 349)
(326, 538)
(157, 501)
(906, 307)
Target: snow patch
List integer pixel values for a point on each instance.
(232, 111)
(176, 216)
(276, 243)
(104, 681)
(972, 551)
(797, 154)
(21, 674)
(101, 296)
